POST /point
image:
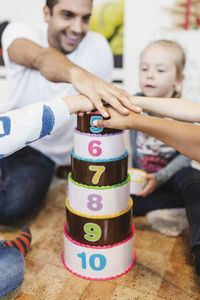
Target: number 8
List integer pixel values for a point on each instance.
(94, 202)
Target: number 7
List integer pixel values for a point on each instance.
(99, 171)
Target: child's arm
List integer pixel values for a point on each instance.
(20, 127)
(175, 108)
(184, 137)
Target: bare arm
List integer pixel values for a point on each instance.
(179, 109)
(184, 137)
(56, 67)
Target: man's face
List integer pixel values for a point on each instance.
(68, 23)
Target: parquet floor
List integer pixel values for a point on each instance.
(163, 269)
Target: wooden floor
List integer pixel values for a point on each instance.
(163, 269)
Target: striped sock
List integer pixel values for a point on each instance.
(22, 242)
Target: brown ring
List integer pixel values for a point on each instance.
(115, 171)
(83, 124)
(113, 229)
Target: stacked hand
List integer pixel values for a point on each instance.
(99, 91)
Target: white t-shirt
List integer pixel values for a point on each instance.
(27, 86)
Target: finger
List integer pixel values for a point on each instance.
(138, 109)
(141, 194)
(145, 192)
(115, 103)
(148, 176)
(101, 123)
(126, 100)
(80, 114)
(99, 106)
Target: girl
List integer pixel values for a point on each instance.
(171, 181)
(161, 72)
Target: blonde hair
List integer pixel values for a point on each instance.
(180, 58)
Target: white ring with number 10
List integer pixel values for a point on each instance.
(98, 263)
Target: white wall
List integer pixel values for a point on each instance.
(27, 11)
(147, 20)
(143, 18)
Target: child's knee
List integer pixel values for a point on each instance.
(188, 178)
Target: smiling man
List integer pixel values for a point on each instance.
(67, 25)
(57, 60)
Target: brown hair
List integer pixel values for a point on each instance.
(52, 3)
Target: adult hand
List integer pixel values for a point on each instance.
(150, 186)
(99, 91)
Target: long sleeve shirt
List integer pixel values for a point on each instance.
(153, 156)
(21, 127)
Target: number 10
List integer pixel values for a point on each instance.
(94, 258)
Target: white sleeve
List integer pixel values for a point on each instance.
(105, 59)
(20, 127)
(107, 62)
(94, 55)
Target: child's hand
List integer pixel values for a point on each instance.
(150, 186)
(116, 120)
(78, 104)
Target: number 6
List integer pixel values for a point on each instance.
(94, 150)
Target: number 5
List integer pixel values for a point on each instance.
(93, 128)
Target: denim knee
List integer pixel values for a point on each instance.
(26, 178)
(11, 205)
(186, 178)
(12, 269)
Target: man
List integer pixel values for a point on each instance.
(41, 64)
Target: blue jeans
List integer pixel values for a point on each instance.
(12, 269)
(182, 190)
(26, 176)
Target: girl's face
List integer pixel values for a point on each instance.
(158, 74)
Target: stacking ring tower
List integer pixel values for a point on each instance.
(98, 235)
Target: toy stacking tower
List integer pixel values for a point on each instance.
(98, 236)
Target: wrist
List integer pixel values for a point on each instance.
(75, 74)
(134, 121)
(76, 103)
(71, 105)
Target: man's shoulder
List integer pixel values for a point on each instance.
(16, 30)
(95, 35)
(96, 43)
(15, 26)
